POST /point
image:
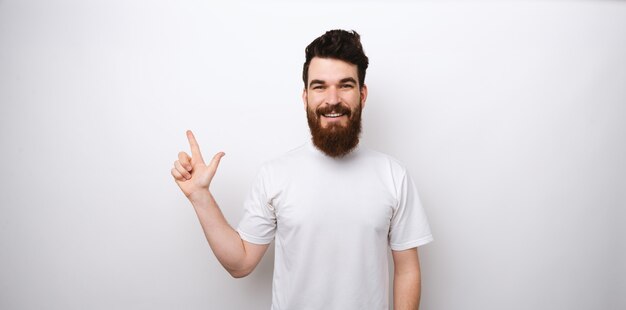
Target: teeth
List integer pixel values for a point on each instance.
(333, 114)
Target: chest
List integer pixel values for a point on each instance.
(343, 202)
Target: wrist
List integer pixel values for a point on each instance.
(200, 198)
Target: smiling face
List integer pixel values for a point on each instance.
(333, 100)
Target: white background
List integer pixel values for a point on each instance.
(509, 116)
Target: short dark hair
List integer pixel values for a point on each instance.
(337, 44)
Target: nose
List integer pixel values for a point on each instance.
(332, 96)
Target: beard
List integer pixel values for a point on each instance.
(335, 140)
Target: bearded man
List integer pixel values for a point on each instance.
(332, 207)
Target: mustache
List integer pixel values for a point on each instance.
(339, 108)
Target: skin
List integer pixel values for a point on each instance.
(194, 177)
(331, 82)
(407, 285)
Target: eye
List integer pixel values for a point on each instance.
(347, 86)
(318, 87)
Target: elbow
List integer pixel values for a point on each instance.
(238, 274)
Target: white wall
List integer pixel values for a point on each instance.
(508, 115)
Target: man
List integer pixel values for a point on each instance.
(332, 207)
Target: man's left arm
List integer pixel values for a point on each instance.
(406, 280)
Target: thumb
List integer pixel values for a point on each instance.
(215, 162)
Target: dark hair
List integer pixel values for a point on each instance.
(337, 44)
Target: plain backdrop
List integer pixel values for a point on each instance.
(508, 115)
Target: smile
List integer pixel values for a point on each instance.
(333, 115)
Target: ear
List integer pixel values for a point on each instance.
(304, 93)
(363, 91)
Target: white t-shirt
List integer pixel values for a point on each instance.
(333, 221)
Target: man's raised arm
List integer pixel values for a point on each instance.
(194, 177)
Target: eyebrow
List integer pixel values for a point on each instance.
(342, 81)
(348, 80)
(316, 82)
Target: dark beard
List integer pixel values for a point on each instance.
(335, 141)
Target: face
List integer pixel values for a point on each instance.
(333, 100)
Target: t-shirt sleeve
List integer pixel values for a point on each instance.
(409, 225)
(258, 223)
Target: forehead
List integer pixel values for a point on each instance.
(331, 70)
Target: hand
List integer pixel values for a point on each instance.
(191, 174)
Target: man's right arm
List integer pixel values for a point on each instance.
(239, 257)
(193, 176)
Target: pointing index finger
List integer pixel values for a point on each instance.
(195, 149)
